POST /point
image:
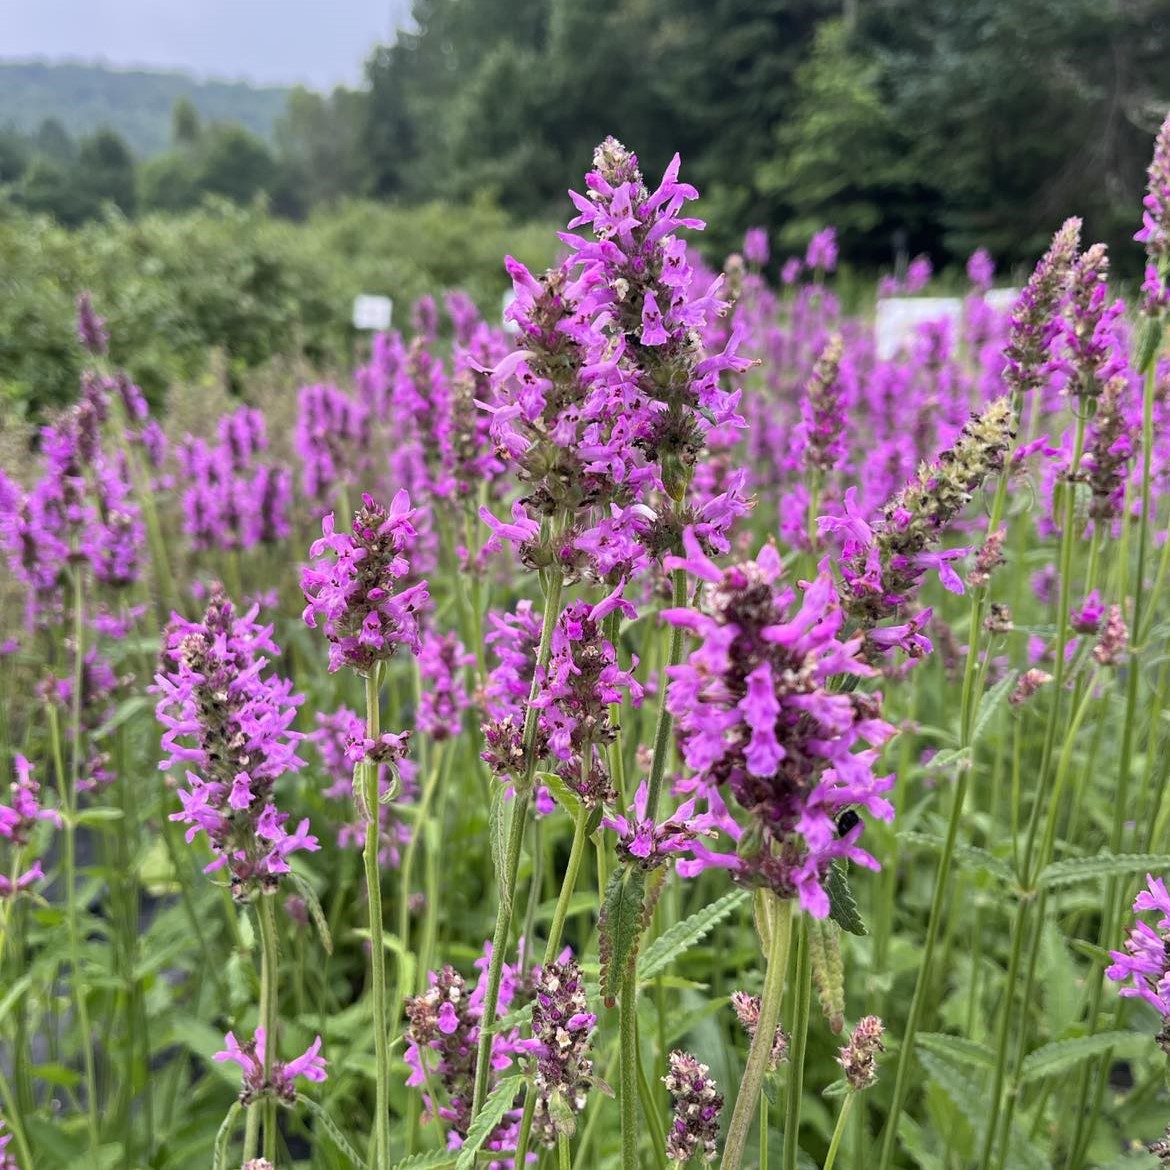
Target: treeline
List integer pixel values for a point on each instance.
(928, 125)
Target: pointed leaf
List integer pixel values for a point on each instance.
(498, 1102)
(842, 907)
(620, 925)
(1063, 1055)
(683, 935)
(1087, 869)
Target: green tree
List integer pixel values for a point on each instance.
(841, 156)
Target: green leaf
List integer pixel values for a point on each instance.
(957, 1049)
(429, 1160)
(498, 1103)
(1062, 1055)
(316, 913)
(224, 1136)
(97, 816)
(330, 1127)
(14, 993)
(620, 925)
(842, 907)
(990, 703)
(969, 857)
(562, 793)
(1087, 869)
(683, 935)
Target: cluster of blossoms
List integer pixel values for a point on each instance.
(755, 715)
(882, 564)
(281, 1078)
(340, 740)
(858, 1058)
(1155, 229)
(747, 1011)
(612, 398)
(98, 686)
(576, 689)
(18, 818)
(232, 499)
(1144, 965)
(441, 664)
(352, 586)
(80, 513)
(444, 1020)
(697, 1104)
(7, 1160)
(232, 723)
(561, 1025)
(821, 434)
(573, 695)
(331, 438)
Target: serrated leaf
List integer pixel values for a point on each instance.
(562, 793)
(969, 857)
(330, 1127)
(1062, 1055)
(990, 703)
(957, 1049)
(1086, 869)
(429, 1160)
(498, 1102)
(683, 935)
(620, 925)
(842, 907)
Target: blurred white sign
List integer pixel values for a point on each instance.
(898, 318)
(370, 312)
(1001, 299)
(505, 305)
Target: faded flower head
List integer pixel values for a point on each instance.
(747, 1011)
(697, 1101)
(562, 1023)
(859, 1056)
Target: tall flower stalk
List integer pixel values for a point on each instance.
(353, 590)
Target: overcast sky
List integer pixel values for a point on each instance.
(314, 42)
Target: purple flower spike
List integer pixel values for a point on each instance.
(232, 723)
(756, 711)
(351, 586)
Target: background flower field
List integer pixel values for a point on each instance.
(653, 728)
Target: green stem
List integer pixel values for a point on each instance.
(381, 1159)
(269, 998)
(802, 999)
(839, 1131)
(507, 881)
(628, 1068)
(70, 795)
(777, 913)
(577, 851)
(563, 1160)
(663, 726)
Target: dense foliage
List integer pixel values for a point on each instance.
(674, 730)
(223, 292)
(914, 125)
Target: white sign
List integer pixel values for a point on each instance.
(1001, 299)
(370, 312)
(510, 326)
(899, 317)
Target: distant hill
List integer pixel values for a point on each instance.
(135, 103)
